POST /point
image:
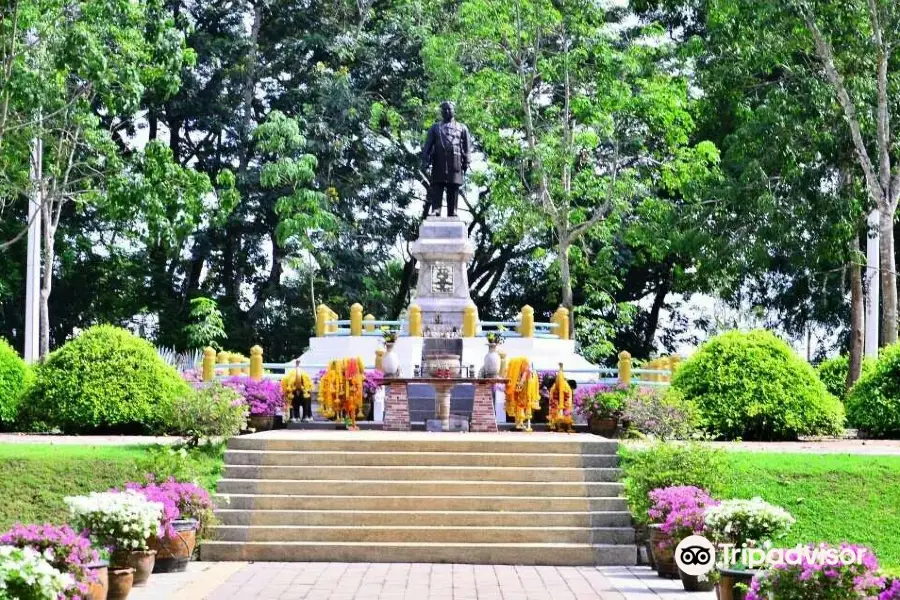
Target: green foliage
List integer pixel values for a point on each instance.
(210, 411)
(754, 386)
(834, 497)
(833, 373)
(15, 377)
(207, 327)
(873, 404)
(201, 464)
(666, 464)
(34, 478)
(104, 380)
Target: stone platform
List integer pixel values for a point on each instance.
(475, 498)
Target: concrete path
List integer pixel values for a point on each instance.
(368, 581)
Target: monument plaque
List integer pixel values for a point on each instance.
(443, 252)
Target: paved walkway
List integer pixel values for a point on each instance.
(364, 581)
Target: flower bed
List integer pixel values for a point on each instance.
(263, 398)
(26, 575)
(65, 550)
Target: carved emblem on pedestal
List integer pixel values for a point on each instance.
(441, 279)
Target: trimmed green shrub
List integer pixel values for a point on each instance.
(873, 404)
(754, 386)
(212, 410)
(15, 377)
(833, 373)
(106, 380)
(666, 464)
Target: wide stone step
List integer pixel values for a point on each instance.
(364, 487)
(417, 459)
(497, 474)
(453, 535)
(496, 554)
(505, 443)
(510, 504)
(434, 518)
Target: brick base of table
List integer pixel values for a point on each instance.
(396, 405)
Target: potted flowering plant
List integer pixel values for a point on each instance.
(752, 522)
(264, 399)
(372, 380)
(67, 551)
(122, 521)
(683, 501)
(602, 405)
(186, 507)
(811, 578)
(26, 575)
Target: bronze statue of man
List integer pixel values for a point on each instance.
(446, 151)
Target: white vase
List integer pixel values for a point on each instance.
(390, 362)
(491, 366)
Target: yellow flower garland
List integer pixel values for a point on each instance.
(522, 392)
(341, 390)
(560, 414)
(289, 385)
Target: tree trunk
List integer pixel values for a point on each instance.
(856, 314)
(565, 282)
(46, 279)
(887, 264)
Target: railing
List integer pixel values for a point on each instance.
(329, 324)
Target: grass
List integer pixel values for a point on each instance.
(34, 478)
(834, 497)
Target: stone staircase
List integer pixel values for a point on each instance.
(373, 496)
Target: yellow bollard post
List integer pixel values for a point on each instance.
(369, 326)
(503, 365)
(333, 316)
(223, 358)
(256, 361)
(356, 318)
(379, 356)
(469, 321)
(209, 364)
(234, 358)
(527, 322)
(624, 368)
(562, 317)
(415, 321)
(321, 318)
(674, 363)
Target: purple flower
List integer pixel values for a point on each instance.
(680, 510)
(179, 500)
(263, 397)
(891, 591)
(66, 550)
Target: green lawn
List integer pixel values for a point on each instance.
(34, 478)
(834, 498)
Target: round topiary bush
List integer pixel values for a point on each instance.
(873, 404)
(15, 377)
(754, 386)
(833, 373)
(106, 380)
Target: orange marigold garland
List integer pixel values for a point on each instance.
(523, 395)
(560, 413)
(341, 390)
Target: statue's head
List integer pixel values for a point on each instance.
(448, 110)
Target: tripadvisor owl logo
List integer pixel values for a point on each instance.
(695, 555)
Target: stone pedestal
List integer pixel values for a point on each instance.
(396, 409)
(443, 252)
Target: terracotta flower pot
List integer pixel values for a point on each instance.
(692, 583)
(120, 582)
(98, 589)
(604, 426)
(663, 552)
(174, 553)
(728, 578)
(262, 422)
(140, 560)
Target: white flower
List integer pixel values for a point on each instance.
(124, 519)
(26, 568)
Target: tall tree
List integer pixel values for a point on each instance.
(576, 123)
